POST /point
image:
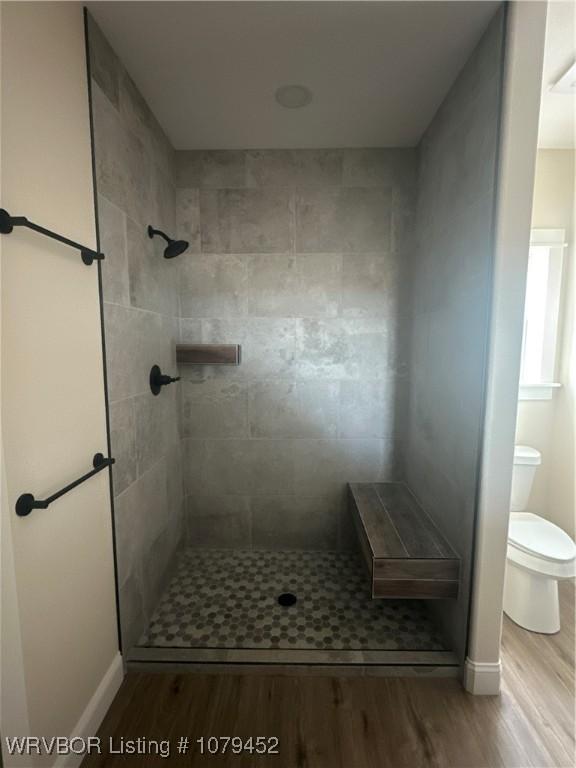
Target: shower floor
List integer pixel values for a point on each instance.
(228, 599)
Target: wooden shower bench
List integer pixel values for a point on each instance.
(406, 555)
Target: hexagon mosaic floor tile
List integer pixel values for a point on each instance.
(229, 599)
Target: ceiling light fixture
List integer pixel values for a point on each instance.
(293, 96)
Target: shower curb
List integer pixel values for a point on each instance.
(293, 662)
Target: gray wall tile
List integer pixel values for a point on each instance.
(294, 285)
(123, 167)
(213, 285)
(249, 467)
(323, 467)
(190, 333)
(153, 279)
(135, 340)
(175, 485)
(139, 517)
(343, 220)
(189, 169)
(404, 226)
(129, 534)
(295, 522)
(223, 169)
(159, 566)
(194, 466)
(347, 349)
(268, 345)
(163, 202)
(379, 167)
(188, 218)
(370, 285)
(294, 168)
(246, 221)
(222, 522)
(323, 350)
(104, 65)
(347, 536)
(112, 229)
(367, 408)
(214, 408)
(376, 346)
(137, 116)
(132, 614)
(123, 442)
(122, 334)
(156, 418)
(212, 169)
(293, 409)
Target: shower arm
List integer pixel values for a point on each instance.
(152, 232)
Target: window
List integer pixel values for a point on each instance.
(542, 307)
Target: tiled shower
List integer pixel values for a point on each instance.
(354, 280)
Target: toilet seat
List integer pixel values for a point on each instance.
(536, 536)
(540, 546)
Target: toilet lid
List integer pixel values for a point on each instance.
(540, 537)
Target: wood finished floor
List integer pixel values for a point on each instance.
(365, 722)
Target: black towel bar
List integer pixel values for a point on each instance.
(26, 502)
(7, 224)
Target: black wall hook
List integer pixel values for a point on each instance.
(159, 379)
(7, 224)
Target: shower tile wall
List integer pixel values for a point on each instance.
(455, 224)
(303, 258)
(135, 183)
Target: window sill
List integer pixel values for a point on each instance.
(542, 391)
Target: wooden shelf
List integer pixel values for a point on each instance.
(208, 354)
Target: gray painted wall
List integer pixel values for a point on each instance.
(301, 257)
(135, 183)
(451, 295)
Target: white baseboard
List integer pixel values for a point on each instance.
(482, 678)
(96, 709)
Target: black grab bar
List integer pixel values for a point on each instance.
(26, 502)
(7, 224)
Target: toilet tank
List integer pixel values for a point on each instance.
(526, 462)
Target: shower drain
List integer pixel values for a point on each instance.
(286, 599)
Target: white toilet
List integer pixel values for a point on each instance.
(539, 553)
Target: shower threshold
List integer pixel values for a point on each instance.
(221, 611)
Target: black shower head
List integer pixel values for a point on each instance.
(174, 247)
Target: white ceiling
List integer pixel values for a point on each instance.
(378, 70)
(557, 110)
